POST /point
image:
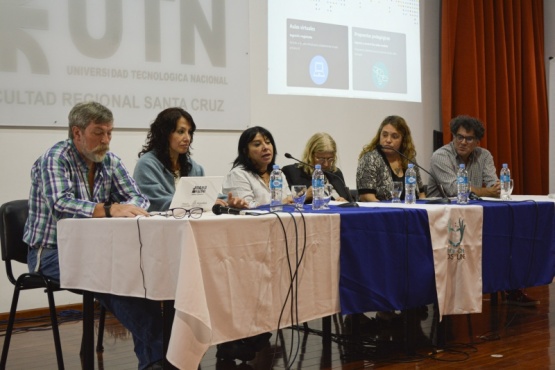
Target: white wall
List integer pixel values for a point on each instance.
(291, 122)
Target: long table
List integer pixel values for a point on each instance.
(228, 274)
(231, 277)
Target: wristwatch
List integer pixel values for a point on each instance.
(107, 206)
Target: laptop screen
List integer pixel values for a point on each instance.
(197, 191)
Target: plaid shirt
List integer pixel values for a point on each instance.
(59, 189)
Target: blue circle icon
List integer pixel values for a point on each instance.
(319, 70)
(380, 75)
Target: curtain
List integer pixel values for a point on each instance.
(493, 68)
(551, 107)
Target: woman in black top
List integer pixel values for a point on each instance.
(320, 149)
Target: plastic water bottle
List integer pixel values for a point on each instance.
(318, 181)
(462, 185)
(410, 185)
(276, 189)
(505, 179)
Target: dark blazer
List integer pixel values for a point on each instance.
(296, 176)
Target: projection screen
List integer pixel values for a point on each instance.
(354, 49)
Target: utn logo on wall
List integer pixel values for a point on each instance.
(135, 57)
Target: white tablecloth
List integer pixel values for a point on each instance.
(229, 275)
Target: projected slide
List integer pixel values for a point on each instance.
(135, 57)
(317, 55)
(379, 61)
(345, 48)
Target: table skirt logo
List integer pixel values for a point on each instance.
(456, 234)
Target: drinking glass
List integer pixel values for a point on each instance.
(327, 195)
(510, 190)
(396, 188)
(298, 193)
(506, 190)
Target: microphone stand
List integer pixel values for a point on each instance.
(444, 198)
(351, 202)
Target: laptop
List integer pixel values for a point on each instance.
(197, 191)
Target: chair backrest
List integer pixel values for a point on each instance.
(13, 216)
(437, 139)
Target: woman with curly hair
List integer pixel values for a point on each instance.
(166, 157)
(379, 166)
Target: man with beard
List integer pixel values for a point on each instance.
(80, 178)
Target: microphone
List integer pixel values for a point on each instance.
(444, 198)
(351, 202)
(472, 195)
(218, 209)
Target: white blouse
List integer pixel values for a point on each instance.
(250, 187)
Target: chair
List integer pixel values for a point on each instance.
(13, 216)
(437, 139)
(354, 194)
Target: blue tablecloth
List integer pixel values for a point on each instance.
(387, 261)
(518, 245)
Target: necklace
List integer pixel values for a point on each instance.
(396, 167)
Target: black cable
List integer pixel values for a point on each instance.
(292, 291)
(367, 348)
(290, 275)
(298, 263)
(141, 247)
(141, 254)
(363, 347)
(295, 294)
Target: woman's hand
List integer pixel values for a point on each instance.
(288, 200)
(235, 202)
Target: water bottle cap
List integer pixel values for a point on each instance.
(411, 165)
(276, 167)
(461, 165)
(318, 166)
(505, 165)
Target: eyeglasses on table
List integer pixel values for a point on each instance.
(195, 212)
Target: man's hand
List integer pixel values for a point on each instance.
(127, 210)
(492, 192)
(119, 210)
